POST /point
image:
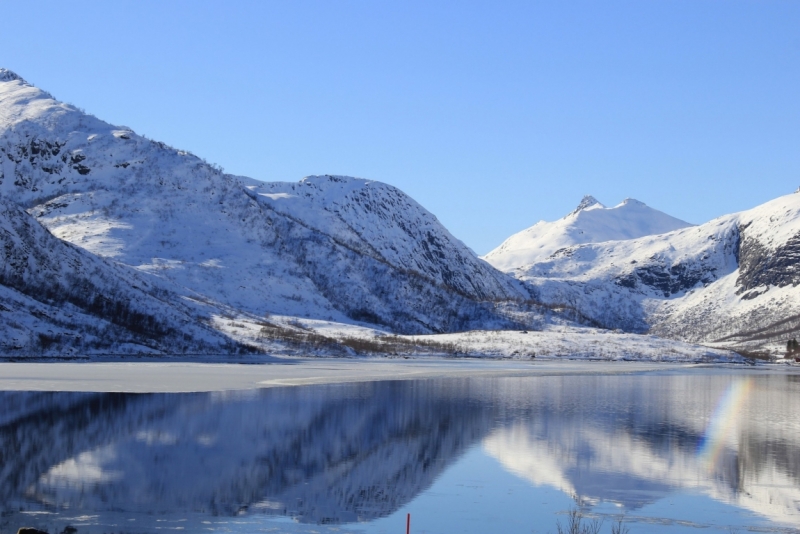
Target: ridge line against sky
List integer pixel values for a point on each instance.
(492, 115)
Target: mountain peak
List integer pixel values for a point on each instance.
(632, 202)
(9, 76)
(587, 202)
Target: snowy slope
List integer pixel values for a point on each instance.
(732, 280)
(590, 222)
(57, 299)
(341, 249)
(381, 221)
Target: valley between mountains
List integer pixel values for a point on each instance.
(117, 245)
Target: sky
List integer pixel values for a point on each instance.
(493, 115)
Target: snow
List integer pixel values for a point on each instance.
(590, 222)
(59, 299)
(551, 342)
(96, 235)
(380, 220)
(580, 343)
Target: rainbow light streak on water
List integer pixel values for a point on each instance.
(722, 421)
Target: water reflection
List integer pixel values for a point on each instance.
(635, 441)
(320, 454)
(354, 453)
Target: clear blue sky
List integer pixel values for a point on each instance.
(492, 114)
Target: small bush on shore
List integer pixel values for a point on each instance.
(577, 524)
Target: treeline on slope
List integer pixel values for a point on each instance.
(304, 339)
(142, 327)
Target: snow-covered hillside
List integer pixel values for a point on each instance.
(56, 299)
(731, 281)
(380, 221)
(590, 222)
(333, 248)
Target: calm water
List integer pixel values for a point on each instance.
(683, 451)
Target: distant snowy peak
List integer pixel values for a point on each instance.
(587, 202)
(590, 222)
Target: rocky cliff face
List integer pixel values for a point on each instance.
(762, 266)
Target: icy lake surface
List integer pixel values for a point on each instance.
(697, 450)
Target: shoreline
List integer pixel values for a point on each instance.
(187, 377)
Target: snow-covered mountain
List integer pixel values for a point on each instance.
(382, 222)
(732, 280)
(334, 248)
(590, 222)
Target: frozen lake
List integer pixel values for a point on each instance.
(672, 450)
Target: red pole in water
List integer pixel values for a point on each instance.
(408, 524)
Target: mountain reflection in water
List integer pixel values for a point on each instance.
(353, 453)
